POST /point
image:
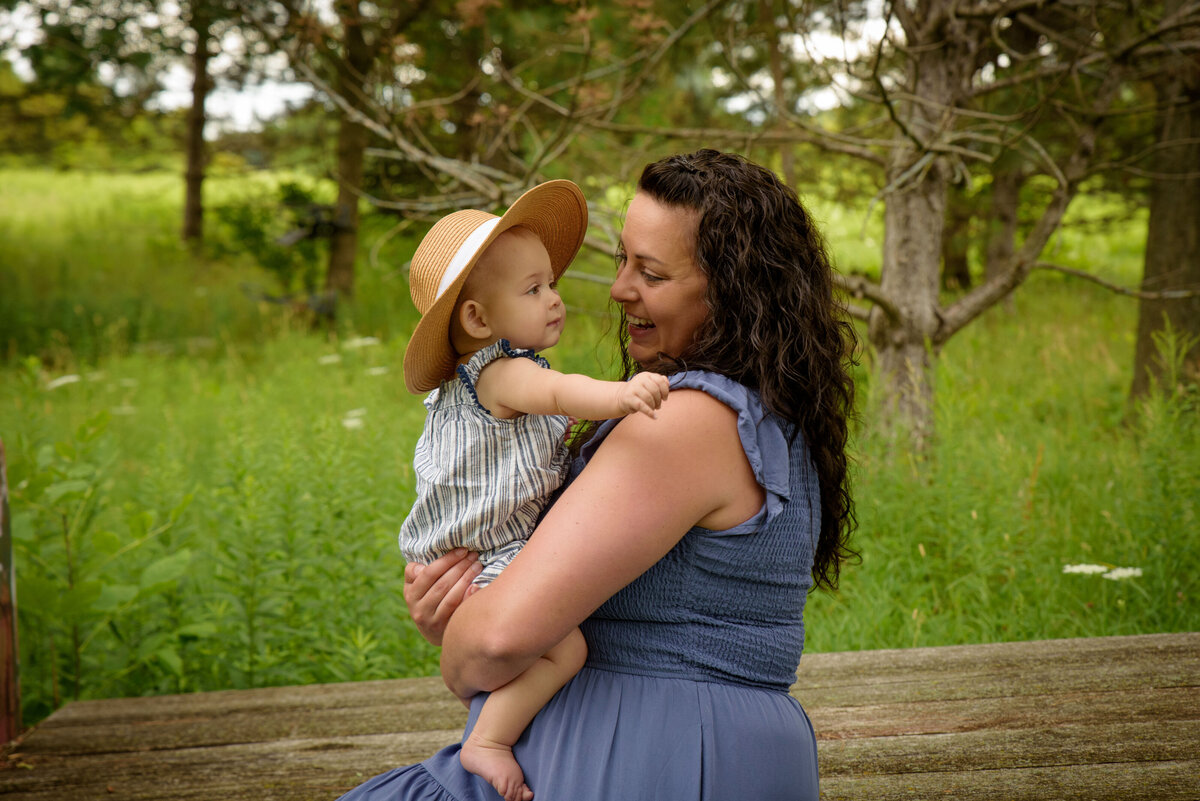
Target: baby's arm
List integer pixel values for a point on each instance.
(513, 386)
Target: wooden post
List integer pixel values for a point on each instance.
(10, 688)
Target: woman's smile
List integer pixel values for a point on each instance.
(658, 283)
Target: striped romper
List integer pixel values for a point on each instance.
(482, 481)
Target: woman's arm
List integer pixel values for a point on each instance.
(646, 486)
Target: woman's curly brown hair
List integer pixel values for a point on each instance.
(774, 324)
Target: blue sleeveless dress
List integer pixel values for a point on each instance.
(685, 692)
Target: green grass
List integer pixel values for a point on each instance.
(92, 265)
(1032, 469)
(213, 502)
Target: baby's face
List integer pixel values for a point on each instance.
(521, 303)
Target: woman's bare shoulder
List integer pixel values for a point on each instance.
(694, 441)
(684, 411)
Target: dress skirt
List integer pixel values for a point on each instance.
(612, 735)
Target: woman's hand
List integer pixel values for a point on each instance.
(435, 590)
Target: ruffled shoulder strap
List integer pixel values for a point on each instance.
(469, 373)
(763, 439)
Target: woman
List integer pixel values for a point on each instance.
(686, 545)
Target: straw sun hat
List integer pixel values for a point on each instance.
(555, 211)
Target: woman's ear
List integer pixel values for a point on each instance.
(471, 316)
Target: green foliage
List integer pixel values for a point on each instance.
(253, 223)
(212, 524)
(92, 266)
(68, 120)
(1033, 469)
(82, 582)
(301, 139)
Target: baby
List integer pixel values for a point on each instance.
(492, 451)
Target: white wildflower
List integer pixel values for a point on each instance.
(332, 358)
(201, 343)
(95, 375)
(354, 419)
(1118, 573)
(377, 370)
(129, 383)
(360, 342)
(1085, 569)
(63, 380)
(124, 411)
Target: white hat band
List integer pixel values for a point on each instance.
(464, 254)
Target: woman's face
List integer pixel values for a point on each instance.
(658, 282)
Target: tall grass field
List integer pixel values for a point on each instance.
(206, 488)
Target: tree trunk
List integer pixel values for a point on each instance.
(912, 241)
(1002, 221)
(774, 42)
(193, 204)
(351, 146)
(956, 240)
(10, 686)
(343, 245)
(1173, 235)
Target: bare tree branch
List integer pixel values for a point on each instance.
(1053, 34)
(883, 92)
(980, 299)
(1127, 164)
(468, 174)
(1052, 70)
(858, 287)
(448, 100)
(652, 60)
(858, 312)
(908, 23)
(1166, 294)
(747, 136)
(579, 275)
(605, 248)
(846, 143)
(1137, 46)
(1004, 8)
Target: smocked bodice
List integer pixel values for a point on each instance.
(723, 605)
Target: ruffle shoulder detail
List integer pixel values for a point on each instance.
(468, 373)
(762, 437)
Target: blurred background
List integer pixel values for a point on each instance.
(207, 209)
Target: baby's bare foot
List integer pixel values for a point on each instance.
(494, 762)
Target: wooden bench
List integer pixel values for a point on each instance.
(1104, 718)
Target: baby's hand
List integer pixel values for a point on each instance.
(643, 393)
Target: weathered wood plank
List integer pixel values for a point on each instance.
(299, 769)
(279, 713)
(414, 712)
(1005, 714)
(1071, 719)
(1160, 781)
(313, 696)
(1000, 669)
(992, 749)
(882, 664)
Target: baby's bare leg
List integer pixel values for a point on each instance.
(487, 751)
